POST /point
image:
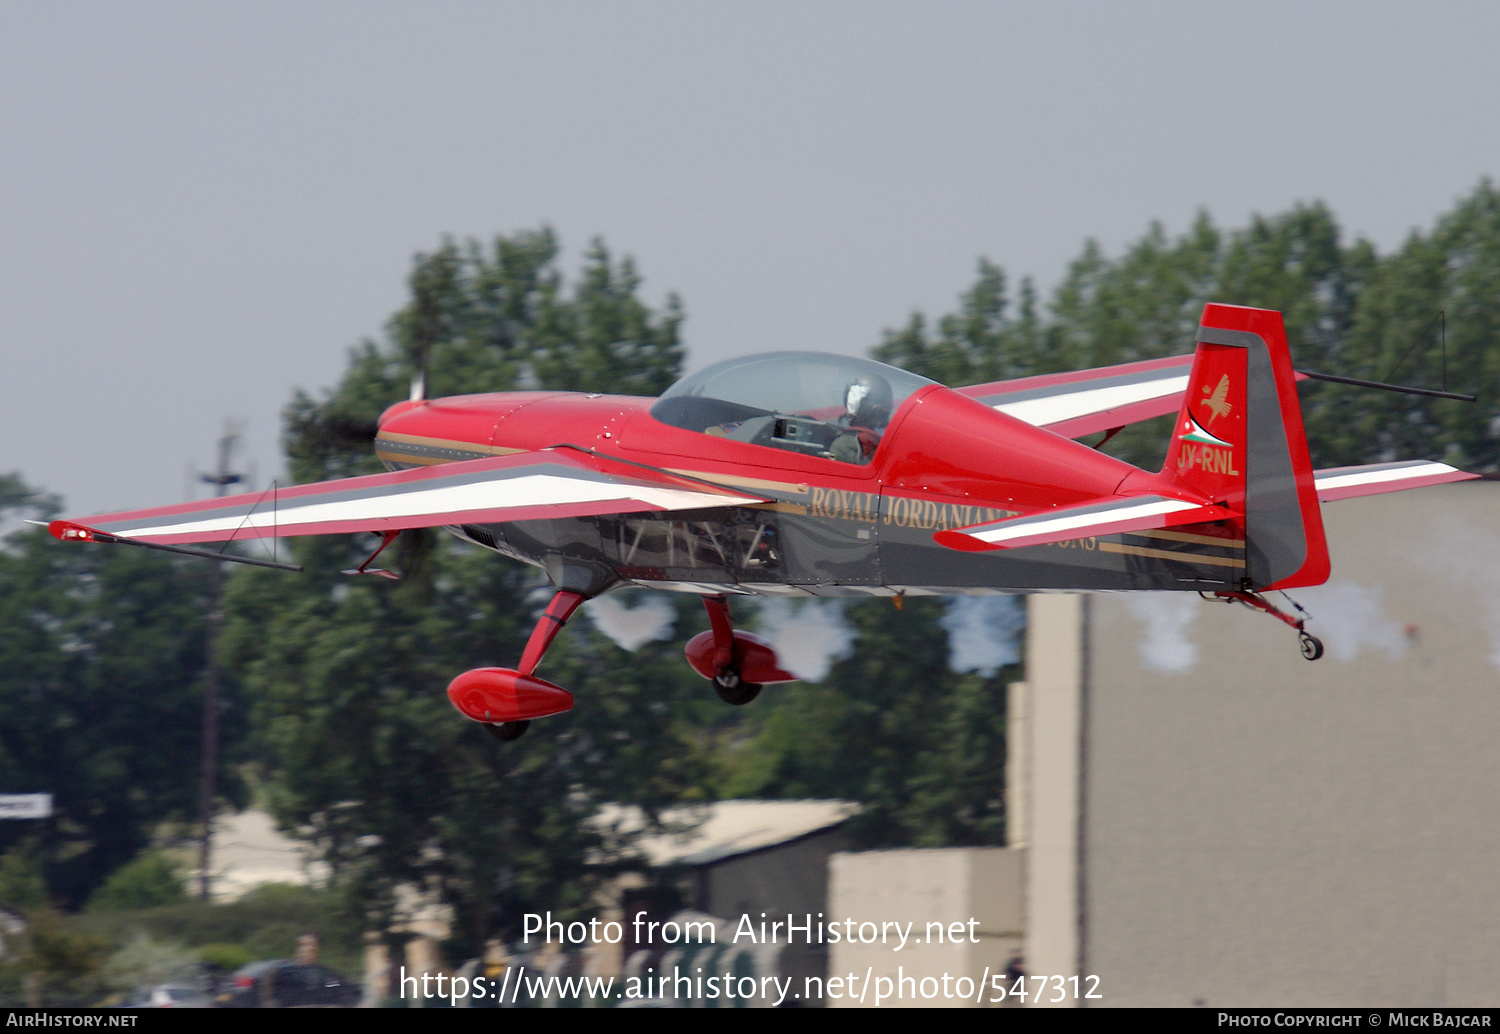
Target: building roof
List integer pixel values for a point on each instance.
(708, 833)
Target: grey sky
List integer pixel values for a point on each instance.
(203, 205)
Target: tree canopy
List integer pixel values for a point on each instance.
(100, 695)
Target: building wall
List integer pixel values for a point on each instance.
(788, 878)
(1049, 740)
(1262, 830)
(914, 888)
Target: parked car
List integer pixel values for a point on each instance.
(282, 983)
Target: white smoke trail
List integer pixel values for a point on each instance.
(630, 627)
(808, 635)
(984, 632)
(1166, 645)
(1348, 617)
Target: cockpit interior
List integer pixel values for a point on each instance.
(831, 406)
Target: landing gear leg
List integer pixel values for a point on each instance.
(728, 683)
(1312, 646)
(548, 625)
(507, 699)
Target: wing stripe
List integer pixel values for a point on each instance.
(447, 501)
(1121, 515)
(1042, 410)
(358, 489)
(1082, 518)
(1057, 383)
(1347, 482)
(487, 490)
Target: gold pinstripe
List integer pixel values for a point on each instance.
(1166, 554)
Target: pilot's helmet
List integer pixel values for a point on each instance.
(867, 401)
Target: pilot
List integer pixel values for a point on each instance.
(867, 409)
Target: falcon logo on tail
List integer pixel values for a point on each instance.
(1218, 402)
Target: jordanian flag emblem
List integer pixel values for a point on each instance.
(1199, 436)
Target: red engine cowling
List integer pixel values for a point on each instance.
(753, 656)
(496, 695)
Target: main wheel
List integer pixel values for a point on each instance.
(505, 732)
(734, 690)
(1312, 646)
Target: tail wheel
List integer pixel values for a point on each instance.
(734, 690)
(506, 732)
(1312, 646)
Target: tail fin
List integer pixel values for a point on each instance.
(1239, 439)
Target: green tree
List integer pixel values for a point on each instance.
(54, 965)
(978, 343)
(491, 318)
(146, 881)
(22, 887)
(1454, 269)
(1142, 306)
(100, 697)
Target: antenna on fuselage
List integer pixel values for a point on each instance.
(1440, 321)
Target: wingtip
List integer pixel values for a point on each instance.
(68, 531)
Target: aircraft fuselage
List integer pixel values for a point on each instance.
(828, 528)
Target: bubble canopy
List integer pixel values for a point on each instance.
(832, 406)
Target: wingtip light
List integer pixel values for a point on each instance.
(70, 532)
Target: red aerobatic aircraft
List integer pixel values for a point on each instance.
(799, 474)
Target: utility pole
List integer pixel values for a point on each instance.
(221, 479)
